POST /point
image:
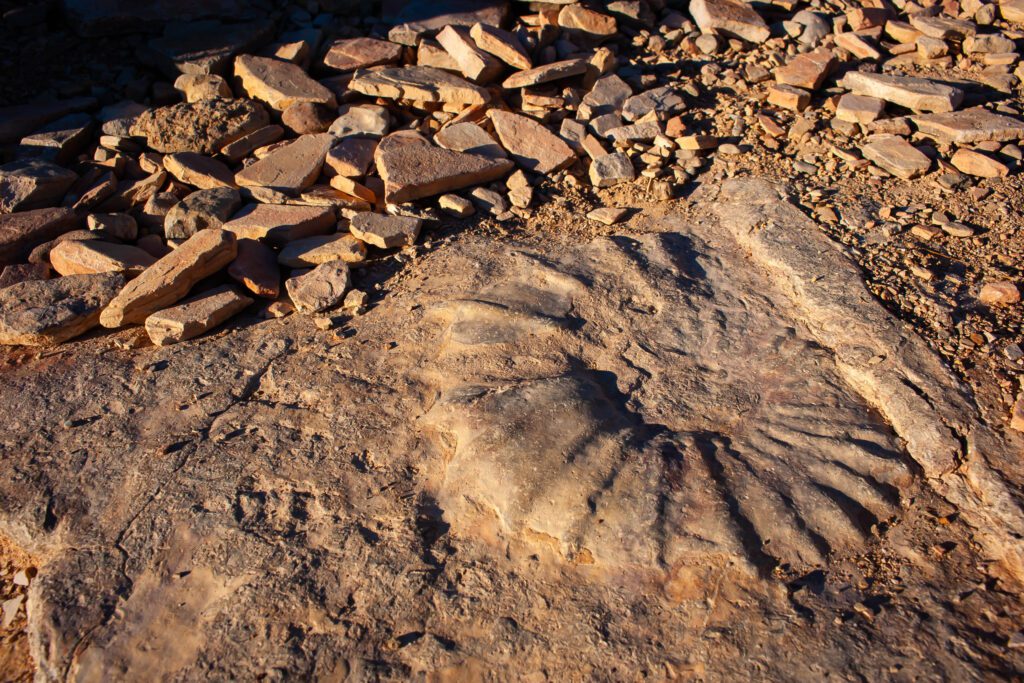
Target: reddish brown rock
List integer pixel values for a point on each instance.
(195, 316)
(21, 232)
(289, 169)
(730, 17)
(359, 53)
(897, 156)
(578, 18)
(545, 74)
(204, 126)
(1001, 293)
(33, 184)
(80, 257)
(198, 170)
(255, 267)
(808, 70)
(502, 44)
(170, 278)
(280, 84)
(48, 312)
(278, 224)
(312, 251)
(419, 83)
(321, 288)
(351, 157)
(978, 164)
(533, 146)
(413, 168)
(384, 231)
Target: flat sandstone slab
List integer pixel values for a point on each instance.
(49, 312)
(195, 316)
(413, 168)
(970, 125)
(419, 83)
(170, 278)
(918, 94)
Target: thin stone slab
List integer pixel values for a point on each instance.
(351, 157)
(195, 316)
(33, 184)
(502, 44)
(278, 83)
(359, 53)
(475, 64)
(471, 138)
(608, 95)
(969, 126)
(532, 145)
(918, 94)
(278, 224)
(664, 100)
(731, 18)
(289, 169)
(576, 17)
(23, 119)
(385, 231)
(81, 257)
(419, 83)
(321, 288)
(897, 156)
(255, 267)
(21, 232)
(807, 70)
(546, 74)
(204, 126)
(312, 251)
(49, 312)
(413, 168)
(199, 170)
(60, 141)
(171, 278)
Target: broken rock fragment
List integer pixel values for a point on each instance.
(319, 289)
(968, 126)
(384, 231)
(897, 156)
(278, 83)
(48, 312)
(532, 145)
(731, 18)
(312, 251)
(198, 170)
(255, 267)
(918, 94)
(471, 138)
(278, 224)
(201, 210)
(81, 257)
(978, 164)
(290, 168)
(419, 83)
(546, 73)
(359, 53)
(195, 316)
(23, 231)
(576, 17)
(611, 169)
(33, 184)
(475, 64)
(501, 44)
(364, 120)
(170, 278)
(412, 168)
(204, 126)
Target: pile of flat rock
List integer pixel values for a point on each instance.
(269, 166)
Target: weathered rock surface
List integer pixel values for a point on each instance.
(533, 146)
(204, 126)
(384, 231)
(82, 257)
(731, 17)
(291, 168)
(201, 210)
(49, 312)
(970, 125)
(546, 73)
(278, 83)
(420, 83)
(897, 156)
(33, 184)
(21, 232)
(313, 251)
(196, 316)
(255, 267)
(412, 168)
(321, 288)
(279, 224)
(918, 94)
(170, 278)
(359, 53)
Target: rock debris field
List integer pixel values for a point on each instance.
(493, 340)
